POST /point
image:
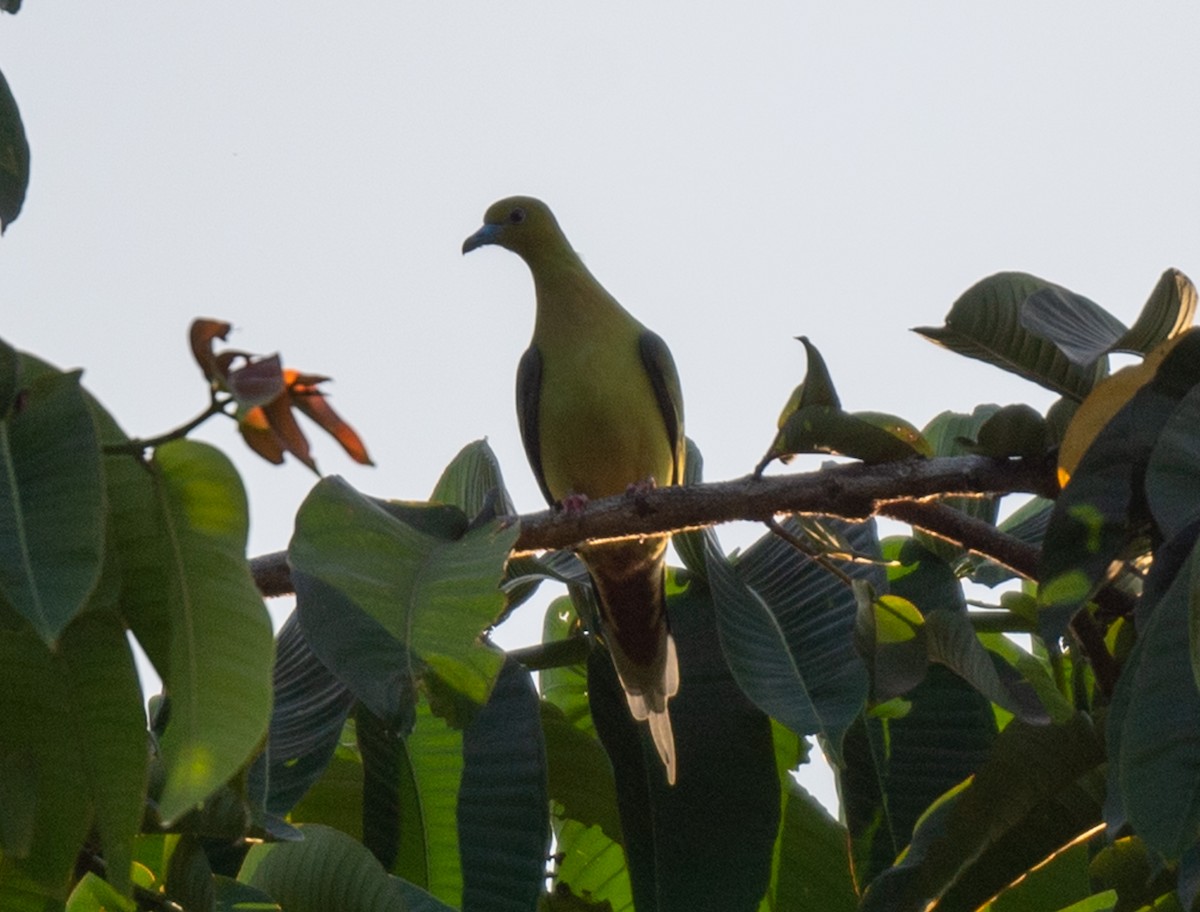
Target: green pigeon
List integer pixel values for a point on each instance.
(600, 411)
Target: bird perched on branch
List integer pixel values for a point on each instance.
(601, 411)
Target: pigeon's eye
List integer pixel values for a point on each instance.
(516, 216)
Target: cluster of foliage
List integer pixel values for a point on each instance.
(380, 753)
(383, 754)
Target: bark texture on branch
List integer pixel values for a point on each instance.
(851, 491)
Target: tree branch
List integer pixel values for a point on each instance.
(851, 491)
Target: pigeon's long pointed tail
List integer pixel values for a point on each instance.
(629, 579)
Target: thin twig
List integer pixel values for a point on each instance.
(138, 446)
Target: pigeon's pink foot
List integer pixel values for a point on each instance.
(645, 486)
(574, 504)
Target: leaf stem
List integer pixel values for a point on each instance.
(139, 445)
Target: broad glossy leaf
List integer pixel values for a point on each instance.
(890, 635)
(985, 323)
(21, 893)
(503, 805)
(1100, 902)
(1109, 396)
(896, 768)
(786, 628)
(1052, 884)
(1014, 430)
(232, 896)
(953, 642)
(94, 894)
(1039, 791)
(433, 594)
(816, 388)
(51, 503)
(873, 437)
(106, 703)
(40, 747)
(470, 479)
(593, 866)
(580, 775)
(815, 870)
(1154, 728)
(221, 647)
(708, 840)
(1169, 311)
(356, 649)
(410, 790)
(14, 150)
(73, 748)
(336, 799)
(1035, 671)
(1103, 506)
(1082, 329)
(1173, 473)
(189, 881)
(327, 870)
(308, 712)
(10, 377)
(565, 688)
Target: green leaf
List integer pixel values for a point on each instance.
(221, 646)
(580, 776)
(1014, 430)
(14, 149)
(1100, 902)
(565, 687)
(890, 635)
(410, 790)
(51, 503)
(308, 712)
(472, 477)
(1034, 670)
(190, 877)
(953, 642)
(1102, 507)
(435, 595)
(1055, 882)
(984, 323)
(1082, 329)
(336, 799)
(327, 870)
(40, 743)
(106, 704)
(232, 896)
(895, 768)
(1154, 725)
(873, 437)
(72, 745)
(93, 894)
(593, 866)
(816, 388)
(10, 378)
(786, 628)
(503, 805)
(1038, 792)
(707, 841)
(1173, 472)
(1169, 311)
(815, 869)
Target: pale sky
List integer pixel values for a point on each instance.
(736, 174)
